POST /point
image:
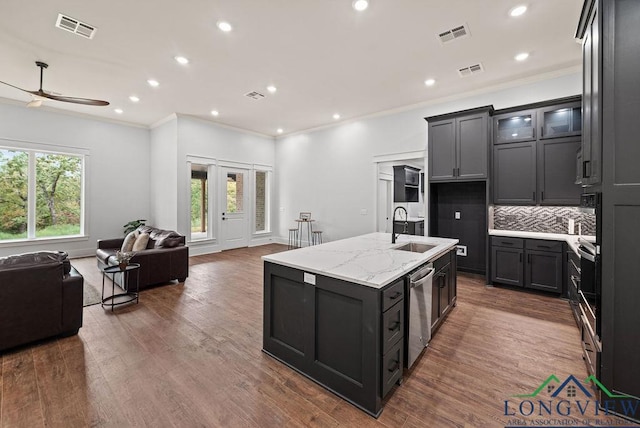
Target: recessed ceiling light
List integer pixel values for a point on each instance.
(134, 99)
(518, 10)
(430, 82)
(521, 56)
(153, 83)
(214, 113)
(272, 89)
(181, 60)
(119, 110)
(224, 26)
(360, 5)
(336, 116)
(280, 131)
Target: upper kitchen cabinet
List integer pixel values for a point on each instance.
(563, 120)
(556, 174)
(589, 31)
(406, 184)
(459, 145)
(532, 167)
(514, 127)
(514, 174)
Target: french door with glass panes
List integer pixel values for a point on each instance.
(234, 207)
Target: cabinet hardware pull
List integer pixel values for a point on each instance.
(585, 164)
(453, 172)
(542, 195)
(394, 326)
(394, 367)
(396, 295)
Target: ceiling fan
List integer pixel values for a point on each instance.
(40, 94)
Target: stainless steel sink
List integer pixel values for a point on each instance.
(416, 247)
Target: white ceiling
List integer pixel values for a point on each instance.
(322, 55)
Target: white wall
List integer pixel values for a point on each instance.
(197, 137)
(163, 176)
(117, 169)
(331, 172)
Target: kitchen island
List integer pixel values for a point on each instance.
(336, 312)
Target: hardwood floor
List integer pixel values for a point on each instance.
(190, 355)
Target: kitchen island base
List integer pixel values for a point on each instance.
(346, 336)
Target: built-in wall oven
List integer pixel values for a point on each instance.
(590, 286)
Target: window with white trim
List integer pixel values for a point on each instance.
(262, 201)
(41, 194)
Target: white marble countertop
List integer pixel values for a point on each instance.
(572, 240)
(370, 260)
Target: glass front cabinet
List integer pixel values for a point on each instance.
(563, 120)
(515, 127)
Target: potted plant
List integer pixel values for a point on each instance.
(133, 225)
(123, 258)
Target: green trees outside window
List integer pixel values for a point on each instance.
(57, 193)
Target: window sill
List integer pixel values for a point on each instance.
(204, 241)
(40, 241)
(264, 233)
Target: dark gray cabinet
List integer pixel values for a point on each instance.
(410, 227)
(444, 288)
(406, 184)
(563, 120)
(506, 261)
(529, 263)
(555, 171)
(612, 27)
(459, 145)
(541, 170)
(514, 127)
(591, 97)
(514, 173)
(347, 337)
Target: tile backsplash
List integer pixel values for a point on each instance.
(542, 219)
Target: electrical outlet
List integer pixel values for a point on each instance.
(281, 209)
(363, 211)
(457, 215)
(461, 250)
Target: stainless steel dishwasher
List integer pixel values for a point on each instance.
(419, 312)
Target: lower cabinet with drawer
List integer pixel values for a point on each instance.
(347, 337)
(529, 263)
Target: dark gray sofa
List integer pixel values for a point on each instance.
(165, 259)
(40, 297)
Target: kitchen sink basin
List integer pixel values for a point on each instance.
(416, 247)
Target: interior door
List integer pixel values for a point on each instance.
(384, 205)
(234, 207)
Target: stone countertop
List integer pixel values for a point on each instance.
(370, 260)
(572, 240)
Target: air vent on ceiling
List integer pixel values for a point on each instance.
(454, 33)
(255, 95)
(472, 69)
(74, 26)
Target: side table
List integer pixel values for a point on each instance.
(128, 295)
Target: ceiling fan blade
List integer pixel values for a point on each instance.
(13, 86)
(85, 101)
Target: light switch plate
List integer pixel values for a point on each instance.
(363, 211)
(457, 215)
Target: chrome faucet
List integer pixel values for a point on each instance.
(406, 224)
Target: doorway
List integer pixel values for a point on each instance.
(234, 207)
(385, 199)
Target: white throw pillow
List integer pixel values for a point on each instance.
(129, 240)
(141, 242)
